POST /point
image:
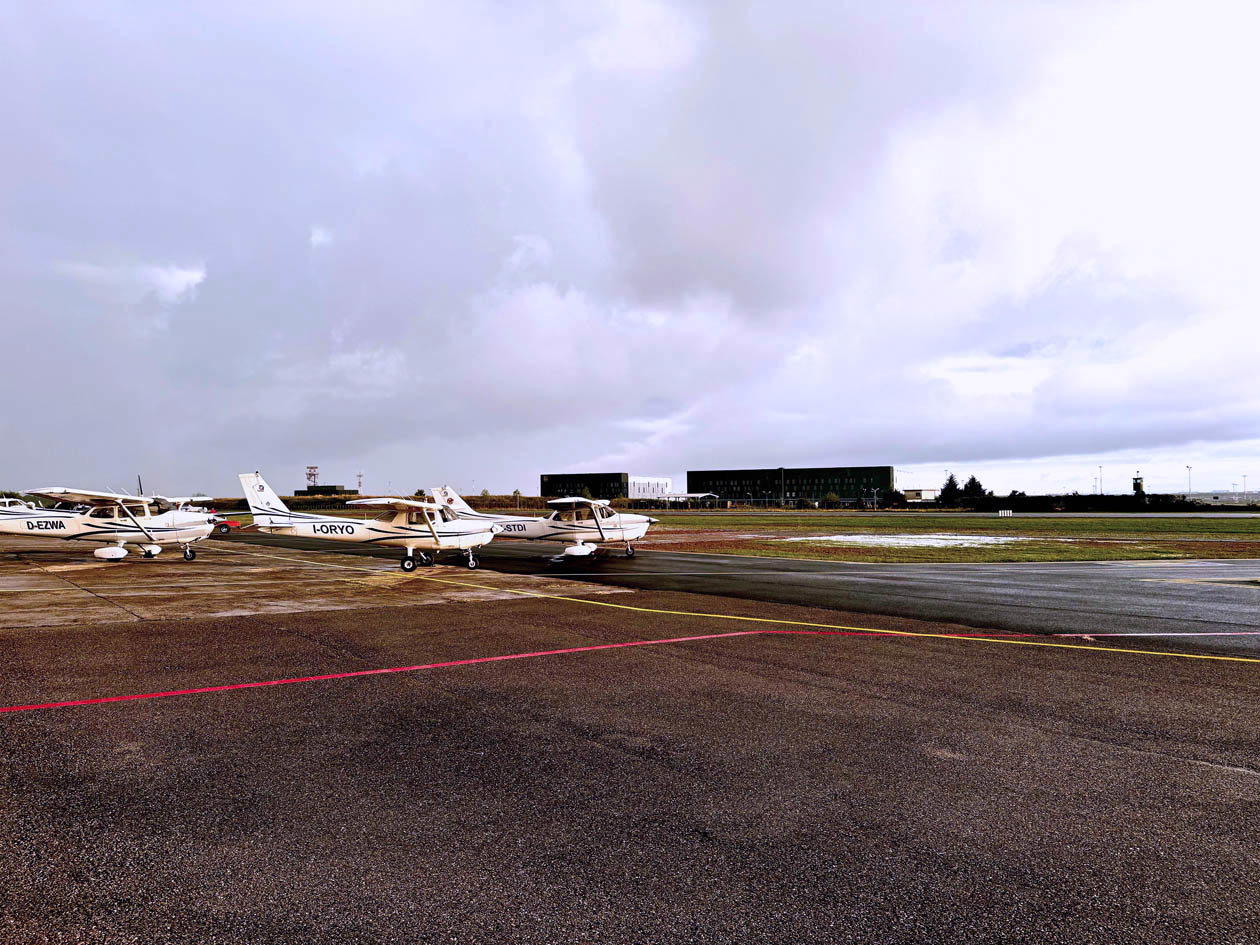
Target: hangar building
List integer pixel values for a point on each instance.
(616, 485)
(788, 486)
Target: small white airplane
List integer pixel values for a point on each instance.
(582, 524)
(110, 519)
(411, 524)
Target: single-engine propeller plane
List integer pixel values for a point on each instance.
(419, 527)
(110, 519)
(582, 524)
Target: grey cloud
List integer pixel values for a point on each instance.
(541, 243)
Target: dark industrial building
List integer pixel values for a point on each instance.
(599, 485)
(851, 484)
(325, 490)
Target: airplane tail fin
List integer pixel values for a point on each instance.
(445, 495)
(262, 499)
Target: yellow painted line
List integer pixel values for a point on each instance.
(870, 630)
(1251, 582)
(796, 623)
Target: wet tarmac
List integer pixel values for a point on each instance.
(44, 583)
(1210, 606)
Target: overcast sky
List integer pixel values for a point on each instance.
(476, 242)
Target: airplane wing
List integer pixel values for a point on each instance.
(87, 497)
(576, 500)
(165, 502)
(399, 504)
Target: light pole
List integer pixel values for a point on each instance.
(1188, 487)
(1100, 492)
(1244, 488)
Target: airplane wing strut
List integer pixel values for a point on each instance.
(137, 521)
(428, 521)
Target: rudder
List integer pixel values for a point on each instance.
(446, 496)
(262, 499)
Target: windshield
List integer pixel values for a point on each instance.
(582, 514)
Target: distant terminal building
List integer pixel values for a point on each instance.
(616, 485)
(782, 486)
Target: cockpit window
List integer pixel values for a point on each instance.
(605, 512)
(102, 511)
(582, 513)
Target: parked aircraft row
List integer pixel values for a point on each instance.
(422, 529)
(449, 524)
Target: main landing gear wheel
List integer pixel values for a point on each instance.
(189, 554)
(223, 528)
(472, 562)
(629, 551)
(408, 564)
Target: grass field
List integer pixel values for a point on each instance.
(1061, 526)
(1058, 538)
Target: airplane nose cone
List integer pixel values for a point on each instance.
(653, 521)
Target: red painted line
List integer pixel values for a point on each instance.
(450, 663)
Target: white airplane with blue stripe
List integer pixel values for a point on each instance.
(582, 524)
(110, 519)
(418, 527)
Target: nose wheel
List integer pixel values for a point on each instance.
(472, 562)
(629, 550)
(189, 554)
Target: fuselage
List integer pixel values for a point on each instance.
(398, 529)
